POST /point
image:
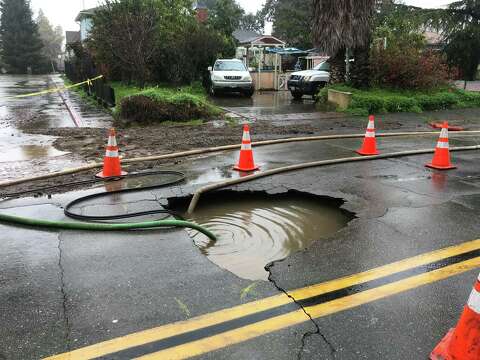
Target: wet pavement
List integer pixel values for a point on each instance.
(62, 291)
(277, 107)
(23, 154)
(266, 102)
(65, 290)
(471, 85)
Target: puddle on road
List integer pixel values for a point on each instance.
(256, 229)
(29, 152)
(266, 103)
(18, 146)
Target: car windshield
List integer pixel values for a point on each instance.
(229, 66)
(324, 66)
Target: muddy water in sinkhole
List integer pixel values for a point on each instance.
(254, 230)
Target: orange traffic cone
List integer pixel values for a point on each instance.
(369, 146)
(441, 159)
(246, 162)
(463, 342)
(111, 162)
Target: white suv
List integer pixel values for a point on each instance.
(308, 82)
(230, 75)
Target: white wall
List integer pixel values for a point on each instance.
(85, 28)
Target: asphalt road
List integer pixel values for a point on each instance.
(22, 153)
(63, 291)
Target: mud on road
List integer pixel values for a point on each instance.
(87, 144)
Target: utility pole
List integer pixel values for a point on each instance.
(83, 4)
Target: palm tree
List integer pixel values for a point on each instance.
(341, 25)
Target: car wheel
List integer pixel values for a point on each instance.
(296, 95)
(212, 91)
(248, 93)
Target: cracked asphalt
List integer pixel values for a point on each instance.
(61, 291)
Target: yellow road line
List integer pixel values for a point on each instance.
(280, 322)
(386, 270)
(236, 312)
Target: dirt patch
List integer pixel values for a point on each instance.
(88, 144)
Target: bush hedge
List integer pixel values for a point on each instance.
(408, 68)
(160, 104)
(376, 101)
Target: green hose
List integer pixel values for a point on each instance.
(103, 227)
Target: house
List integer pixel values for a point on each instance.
(315, 57)
(72, 38)
(251, 48)
(251, 38)
(434, 40)
(201, 11)
(84, 18)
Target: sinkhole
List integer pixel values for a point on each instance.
(255, 228)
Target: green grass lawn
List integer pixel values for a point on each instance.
(123, 90)
(185, 105)
(375, 100)
(165, 104)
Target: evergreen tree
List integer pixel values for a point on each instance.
(21, 44)
(292, 21)
(461, 27)
(52, 38)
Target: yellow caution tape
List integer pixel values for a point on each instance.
(49, 91)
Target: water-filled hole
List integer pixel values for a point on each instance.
(255, 229)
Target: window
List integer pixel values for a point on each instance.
(324, 66)
(229, 66)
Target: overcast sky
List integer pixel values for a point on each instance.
(63, 12)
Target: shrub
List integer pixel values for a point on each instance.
(408, 69)
(399, 104)
(372, 103)
(322, 95)
(443, 100)
(472, 98)
(158, 105)
(376, 101)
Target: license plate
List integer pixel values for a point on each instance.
(293, 87)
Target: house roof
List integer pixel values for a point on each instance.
(72, 37)
(433, 38)
(199, 5)
(86, 13)
(253, 38)
(245, 36)
(267, 40)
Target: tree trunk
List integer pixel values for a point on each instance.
(337, 67)
(360, 70)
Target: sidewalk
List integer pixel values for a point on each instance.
(471, 85)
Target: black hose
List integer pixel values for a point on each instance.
(91, 224)
(71, 214)
(180, 177)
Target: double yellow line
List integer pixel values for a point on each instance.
(197, 332)
(49, 91)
